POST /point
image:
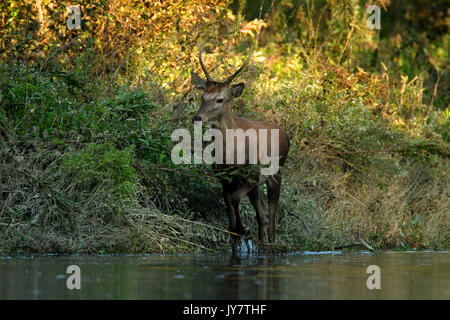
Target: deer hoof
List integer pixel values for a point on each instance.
(245, 231)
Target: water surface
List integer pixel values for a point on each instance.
(404, 275)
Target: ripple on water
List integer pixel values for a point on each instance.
(315, 252)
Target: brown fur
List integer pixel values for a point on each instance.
(214, 87)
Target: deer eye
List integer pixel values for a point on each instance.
(220, 100)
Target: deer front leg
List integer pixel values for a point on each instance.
(236, 198)
(227, 193)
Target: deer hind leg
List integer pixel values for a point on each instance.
(256, 200)
(273, 195)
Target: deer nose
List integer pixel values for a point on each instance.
(196, 118)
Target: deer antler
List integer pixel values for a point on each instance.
(201, 62)
(234, 75)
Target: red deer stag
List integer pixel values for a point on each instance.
(216, 109)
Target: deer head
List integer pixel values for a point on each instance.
(217, 95)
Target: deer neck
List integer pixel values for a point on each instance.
(226, 121)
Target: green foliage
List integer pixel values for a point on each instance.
(103, 164)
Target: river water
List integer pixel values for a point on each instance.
(306, 275)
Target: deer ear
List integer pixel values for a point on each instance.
(237, 90)
(198, 82)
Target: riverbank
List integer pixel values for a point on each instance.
(89, 176)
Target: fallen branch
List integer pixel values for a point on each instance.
(357, 243)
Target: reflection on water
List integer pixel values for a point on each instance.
(404, 275)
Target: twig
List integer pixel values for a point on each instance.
(345, 161)
(357, 243)
(202, 224)
(120, 66)
(13, 224)
(366, 245)
(304, 224)
(362, 204)
(349, 35)
(178, 170)
(191, 243)
(56, 51)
